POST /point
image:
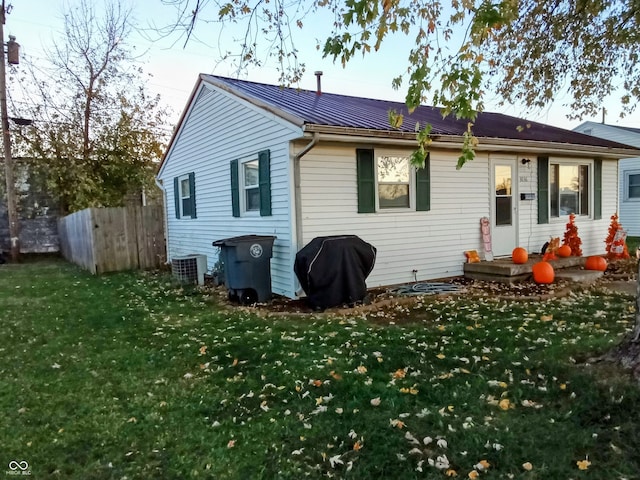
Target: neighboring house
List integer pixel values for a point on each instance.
(249, 158)
(628, 172)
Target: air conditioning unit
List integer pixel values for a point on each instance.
(189, 268)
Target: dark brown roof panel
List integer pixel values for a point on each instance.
(365, 113)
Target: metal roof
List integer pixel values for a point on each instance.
(308, 107)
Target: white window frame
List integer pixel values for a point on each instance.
(182, 196)
(590, 185)
(244, 187)
(411, 183)
(627, 185)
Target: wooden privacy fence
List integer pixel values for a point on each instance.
(113, 239)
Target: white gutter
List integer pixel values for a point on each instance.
(165, 220)
(391, 137)
(297, 191)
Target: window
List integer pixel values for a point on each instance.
(389, 182)
(393, 182)
(632, 185)
(185, 196)
(251, 185)
(569, 187)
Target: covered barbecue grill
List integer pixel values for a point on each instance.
(332, 270)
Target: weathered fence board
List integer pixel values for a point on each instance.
(114, 239)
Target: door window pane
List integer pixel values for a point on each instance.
(503, 192)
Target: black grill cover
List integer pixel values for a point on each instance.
(332, 270)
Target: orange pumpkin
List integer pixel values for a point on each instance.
(595, 262)
(543, 272)
(519, 255)
(564, 251)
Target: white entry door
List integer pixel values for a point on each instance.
(504, 208)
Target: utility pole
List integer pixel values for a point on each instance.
(12, 210)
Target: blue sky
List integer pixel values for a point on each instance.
(174, 68)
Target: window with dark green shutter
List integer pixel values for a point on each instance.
(423, 187)
(235, 189)
(251, 185)
(597, 189)
(566, 188)
(387, 180)
(366, 175)
(543, 189)
(184, 193)
(264, 181)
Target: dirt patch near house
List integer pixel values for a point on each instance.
(387, 306)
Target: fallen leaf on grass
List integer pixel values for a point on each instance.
(583, 464)
(397, 423)
(400, 373)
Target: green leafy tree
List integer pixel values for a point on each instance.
(96, 134)
(528, 51)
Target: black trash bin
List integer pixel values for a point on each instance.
(247, 267)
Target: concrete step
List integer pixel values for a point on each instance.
(506, 268)
(579, 276)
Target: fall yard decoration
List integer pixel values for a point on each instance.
(616, 240)
(571, 237)
(595, 262)
(552, 248)
(564, 251)
(519, 255)
(543, 272)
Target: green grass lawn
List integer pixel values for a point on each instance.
(129, 376)
(632, 244)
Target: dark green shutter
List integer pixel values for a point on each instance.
(365, 170)
(192, 192)
(176, 195)
(423, 187)
(543, 189)
(264, 182)
(235, 189)
(597, 189)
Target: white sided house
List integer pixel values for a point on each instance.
(628, 172)
(250, 158)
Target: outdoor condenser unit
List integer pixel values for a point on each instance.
(189, 268)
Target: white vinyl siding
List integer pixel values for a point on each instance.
(431, 242)
(206, 146)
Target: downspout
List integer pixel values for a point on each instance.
(165, 221)
(296, 183)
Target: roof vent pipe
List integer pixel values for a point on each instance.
(318, 75)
